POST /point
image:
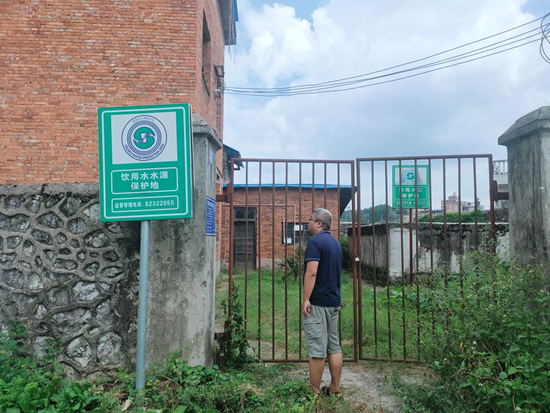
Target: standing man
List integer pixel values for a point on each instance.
(321, 306)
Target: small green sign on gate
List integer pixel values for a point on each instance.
(414, 186)
(145, 162)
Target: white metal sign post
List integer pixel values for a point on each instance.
(145, 172)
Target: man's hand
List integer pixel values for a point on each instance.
(306, 308)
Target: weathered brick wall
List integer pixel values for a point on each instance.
(69, 277)
(264, 217)
(208, 102)
(62, 60)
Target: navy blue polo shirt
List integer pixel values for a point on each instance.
(326, 249)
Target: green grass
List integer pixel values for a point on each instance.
(262, 318)
(28, 385)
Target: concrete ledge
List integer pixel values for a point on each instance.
(437, 227)
(86, 189)
(201, 127)
(533, 122)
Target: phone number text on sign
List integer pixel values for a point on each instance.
(171, 202)
(148, 204)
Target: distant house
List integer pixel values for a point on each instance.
(452, 204)
(265, 228)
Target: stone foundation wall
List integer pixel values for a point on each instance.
(68, 276)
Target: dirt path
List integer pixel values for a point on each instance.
(369, 384)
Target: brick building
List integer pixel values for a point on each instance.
(278, 222)
(68, 276)
(62, 60)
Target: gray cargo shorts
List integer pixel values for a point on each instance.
(321, 330)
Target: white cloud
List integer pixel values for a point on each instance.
(459, 110)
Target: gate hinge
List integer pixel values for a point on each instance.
(222, 198)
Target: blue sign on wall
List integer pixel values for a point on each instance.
(210, 217)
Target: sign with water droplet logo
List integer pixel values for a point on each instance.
(411, 187)
(145, 162)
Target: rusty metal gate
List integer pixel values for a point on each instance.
(401, 233)
(395, 250)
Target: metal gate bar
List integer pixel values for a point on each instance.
(411, 315)
(278, 345)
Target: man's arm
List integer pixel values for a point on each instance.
(309, 283)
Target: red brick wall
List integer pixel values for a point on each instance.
(208, 105)
(264, 217)
(61, 60)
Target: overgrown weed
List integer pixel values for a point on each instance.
(28, 385)
(489, 344)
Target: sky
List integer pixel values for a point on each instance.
(459, 110)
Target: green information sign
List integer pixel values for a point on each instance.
(414, 186)
(145, 162)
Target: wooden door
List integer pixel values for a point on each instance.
(242, 247)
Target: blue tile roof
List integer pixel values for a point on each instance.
(304, 186)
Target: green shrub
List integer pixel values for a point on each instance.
(294, 262)
(347, 261)
(452, 217)
(489, 348)
(28, 385)
(233, 346)
(177, 387)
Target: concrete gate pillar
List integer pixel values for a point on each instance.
(182, 260)
(528, 144)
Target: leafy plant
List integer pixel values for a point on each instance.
(379, 214)
(77, 397)
(31, 386)
(347, 261)
(233, 346)
(294, 262)
(489, 343)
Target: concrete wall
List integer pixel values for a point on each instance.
(390, 238)
(528, 144)
(70, 277)
(182, 269)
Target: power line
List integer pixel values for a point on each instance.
(404, 64)
(275, 94)
(338, 85)
(545, 30)
(377, 83)
(449, 59)
(466, 55)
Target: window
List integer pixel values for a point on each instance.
(240, 214)
(206, 55)
(291, 233)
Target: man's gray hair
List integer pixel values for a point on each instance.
(324, 216)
